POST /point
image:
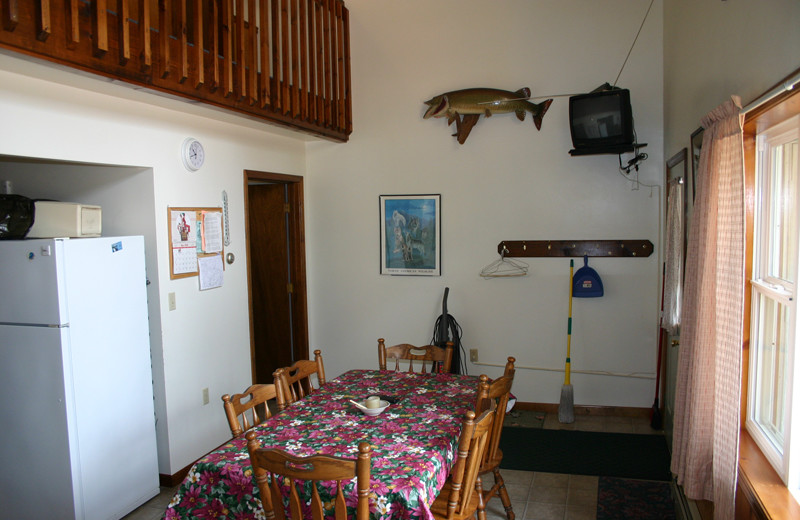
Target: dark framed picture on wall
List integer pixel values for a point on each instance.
(411, 234)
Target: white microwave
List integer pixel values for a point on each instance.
(65, 219)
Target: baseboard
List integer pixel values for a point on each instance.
(173, 480)
(620, 411)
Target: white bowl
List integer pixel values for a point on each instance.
(374, 411)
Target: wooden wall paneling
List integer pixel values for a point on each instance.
(239, 61)
(146, 56)
(10, 14)
(348, 105)
(73, 25)
(183, 40)
(320, 62)
(264, 52)
(295, 51)
(303, 59)
(124, 31)
(227, 47)
(43, 20)
(164, 32)
(252, 51)
(327, 92)
(286, 102)
(212, 25)
(340, 65)
(198, 20)
(311, 55)
(276, 56)
(100, 28)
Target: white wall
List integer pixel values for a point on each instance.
(714, 49)
(61, 116)
(507, 182)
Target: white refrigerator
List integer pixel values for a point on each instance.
(77, 434)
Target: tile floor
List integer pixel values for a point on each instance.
(534, 495)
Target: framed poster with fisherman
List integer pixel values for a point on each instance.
(411, 234)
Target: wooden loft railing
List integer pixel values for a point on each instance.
(282, 61)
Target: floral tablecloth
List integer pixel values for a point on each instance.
(414, 445)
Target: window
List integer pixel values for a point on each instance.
(773, 367)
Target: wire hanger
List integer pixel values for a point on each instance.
(504, 267)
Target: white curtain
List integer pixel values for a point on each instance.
(706, 430)
(673, 268)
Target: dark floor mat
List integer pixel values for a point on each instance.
(624, 455)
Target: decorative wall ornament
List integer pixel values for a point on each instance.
(466, 106)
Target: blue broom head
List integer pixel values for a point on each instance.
(586, 283)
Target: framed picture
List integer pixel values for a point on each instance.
(696, 144)
(411, 234)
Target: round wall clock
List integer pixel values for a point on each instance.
(192, 154)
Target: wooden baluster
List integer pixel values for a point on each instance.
(199, 48)
(241, 77)
(328, 93)
(144, 30)
(285, 94)
(311, 78)
(100, 28)
(276, 56)
(43, 20)
(264, 44)
(184, 41)
(303, 60)
(295, 38)
(227, 46)
(335, 95)
(340, 94)
(348, 105)
(214, 50)
(320, 59)
(164, 31)
(252, 51)
(124, 24)
(10, 14)
(72, 22)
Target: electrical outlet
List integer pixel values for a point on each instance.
(205, 395)
(473, 355)
(171, 299)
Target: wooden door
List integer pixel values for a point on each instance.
(276, 266)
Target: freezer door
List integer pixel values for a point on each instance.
(29, 283)
(36, 452)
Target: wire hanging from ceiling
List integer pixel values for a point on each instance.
(634, 42)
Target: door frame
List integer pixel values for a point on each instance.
(297, 255)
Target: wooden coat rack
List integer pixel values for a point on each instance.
(561, 248)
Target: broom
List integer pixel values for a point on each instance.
(565, 406)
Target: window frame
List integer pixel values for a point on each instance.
(783, 292)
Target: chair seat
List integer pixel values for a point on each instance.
(492, 463)
(439, 506)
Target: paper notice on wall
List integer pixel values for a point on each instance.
(184, 242)
(211, 271)
(212, 232)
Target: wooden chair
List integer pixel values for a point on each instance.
(267, 463)
(243, 415)
(294, 382)
(425, 354)
(461, 495)
(496, 394)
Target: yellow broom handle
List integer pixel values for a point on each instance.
(569, 325)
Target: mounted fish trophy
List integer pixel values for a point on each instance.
(466, 106)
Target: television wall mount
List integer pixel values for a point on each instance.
(575, 248)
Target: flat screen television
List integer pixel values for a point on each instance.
(601, 122)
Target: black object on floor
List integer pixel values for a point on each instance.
(624, 455)
(641, 499)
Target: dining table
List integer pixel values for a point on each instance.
(414, 445)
